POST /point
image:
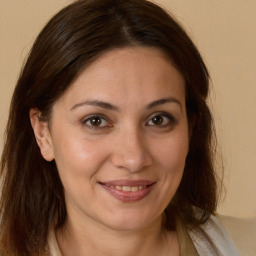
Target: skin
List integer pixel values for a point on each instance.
(141, 134)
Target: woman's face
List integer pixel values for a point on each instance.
(119, 136)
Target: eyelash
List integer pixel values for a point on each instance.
(96, 116)
(169, 120)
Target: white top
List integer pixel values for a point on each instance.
(213, 237)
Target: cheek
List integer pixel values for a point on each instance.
(79, 156)
(171, 154)
(171, 162)
(78, 163)
(170, 166)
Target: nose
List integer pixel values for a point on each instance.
(130, 152)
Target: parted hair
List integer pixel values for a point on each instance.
(32, 199)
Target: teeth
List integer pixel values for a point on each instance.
(128, 188)
(134, 188)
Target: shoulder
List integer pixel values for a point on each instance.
(211, 238)
(53, 247)
(242, 232)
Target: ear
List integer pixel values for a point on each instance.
(42, 134)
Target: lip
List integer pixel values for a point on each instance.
(128, 196)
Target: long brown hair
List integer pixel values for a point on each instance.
(32, 197)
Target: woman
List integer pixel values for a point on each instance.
(109, 147)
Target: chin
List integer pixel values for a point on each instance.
(127, 221)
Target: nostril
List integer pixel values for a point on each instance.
(130, 162)
(130, 152)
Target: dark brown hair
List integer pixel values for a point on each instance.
(32, 197)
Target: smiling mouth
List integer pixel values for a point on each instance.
(128, 188)
(128, 191)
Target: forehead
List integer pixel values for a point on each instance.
(132, 72)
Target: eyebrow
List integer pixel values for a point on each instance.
(106, 105)
(96, 103)
(163, 101)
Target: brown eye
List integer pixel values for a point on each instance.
(157, 120)
(161, 120)
(96, 121)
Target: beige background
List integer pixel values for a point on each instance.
(225, 32)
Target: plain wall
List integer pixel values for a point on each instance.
(224, 32)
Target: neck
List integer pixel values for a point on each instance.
(100, 240)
